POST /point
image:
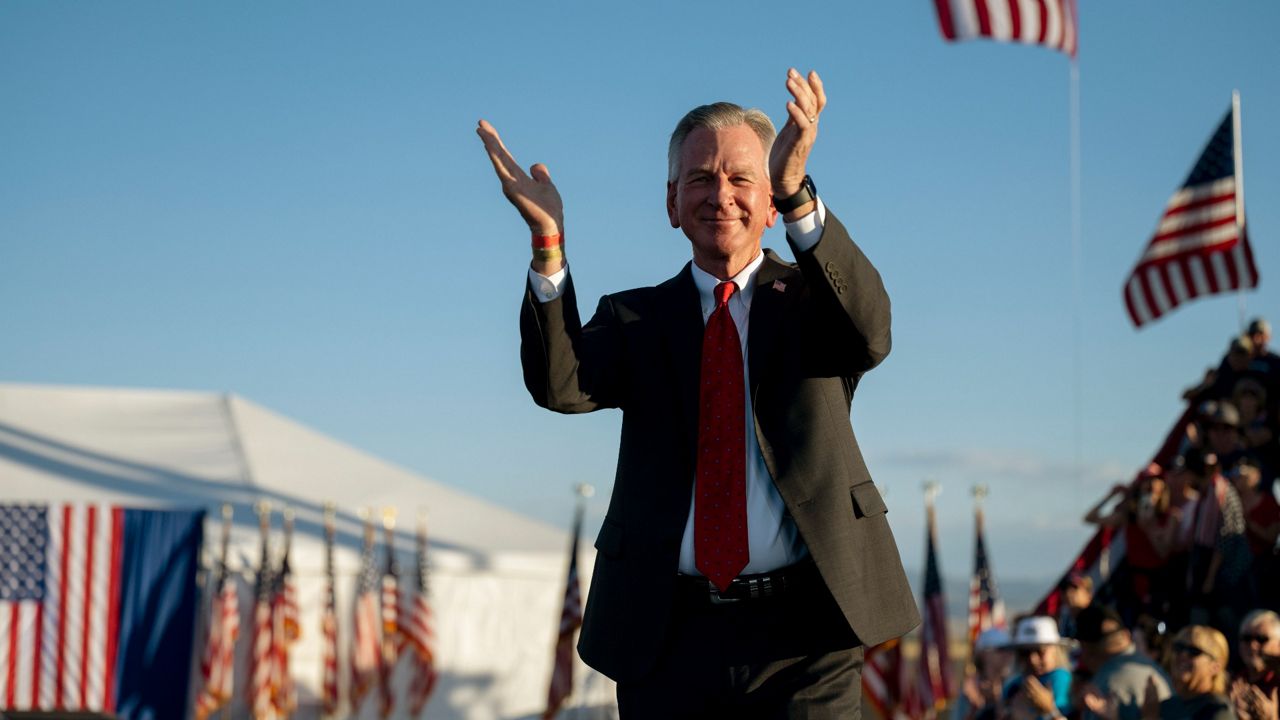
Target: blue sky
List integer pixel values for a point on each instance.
(287, 201)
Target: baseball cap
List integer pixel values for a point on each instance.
(1097, 622)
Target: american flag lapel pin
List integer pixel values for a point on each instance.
(779, 286)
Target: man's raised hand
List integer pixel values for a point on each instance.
(791, 148)
(533, 194)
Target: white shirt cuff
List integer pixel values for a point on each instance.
(807, 231)
(547, 288)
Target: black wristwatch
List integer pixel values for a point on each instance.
(806, 193)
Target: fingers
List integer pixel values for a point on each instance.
(810, 97)
(540, 173)
(504, 164)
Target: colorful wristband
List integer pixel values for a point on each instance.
(548, 241)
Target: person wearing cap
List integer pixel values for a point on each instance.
(1259, 333)
(1043, 688)
(1222, 432)
(1120, 673)
(1218, 586)
(1149, 523)
(1199, 671)
(1237, 363)
(979, 696)
(1257, 685)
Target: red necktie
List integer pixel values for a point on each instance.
(720, 525)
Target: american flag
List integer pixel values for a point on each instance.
(1201, 246)
(1051, 23)
(420, 632)
(561, 685)
(934, 675)
(391, 637)
(59, 600)
(366, 645)
(882, 678)
(284, 631)
(217, 664)
(262, 662)
(986, 609)
(329, 679)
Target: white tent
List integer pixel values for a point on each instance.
(497, 579)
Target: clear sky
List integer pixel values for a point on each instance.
(287, 201)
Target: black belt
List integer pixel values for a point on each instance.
(782, 581)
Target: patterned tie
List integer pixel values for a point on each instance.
(720, 526)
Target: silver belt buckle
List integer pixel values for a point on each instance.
(715, 597)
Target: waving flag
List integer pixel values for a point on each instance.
(935, 685)
(420, 631)
(391, 637)
(986, 609)
(95, 599)
(262, 661)
(366, 645)
(1050, 23)
(1201, 246)
(217, 665)
(570, 619)
(284, 628)
(882, 678)
(329, 660)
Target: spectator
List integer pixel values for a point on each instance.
(1254, 693)
(1199, 672)
(1149, 523)
(1259, 334)
(1250, 399)
(1120, 672)
(1219, 585)
(1042, 689)
(1222, 430)
(992, 664)
(1262, 524)
(1219, 383)
(1077, 594)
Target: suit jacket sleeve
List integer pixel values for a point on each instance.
(569, 368)
(851, 296)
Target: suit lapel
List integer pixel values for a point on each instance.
(684, 340)
(767, 303)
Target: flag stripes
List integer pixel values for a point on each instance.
(1201, 245)
(59, 601)
(1051, 23)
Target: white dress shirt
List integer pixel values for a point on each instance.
(772, 537)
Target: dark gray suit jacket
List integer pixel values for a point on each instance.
(816, 327)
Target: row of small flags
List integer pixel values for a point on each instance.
(390, 623)
(899, 692)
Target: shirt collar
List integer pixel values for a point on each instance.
(745, 280)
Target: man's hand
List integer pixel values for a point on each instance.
(791, 148)
(532, 194)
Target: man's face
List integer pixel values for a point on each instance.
(1260, 341)
(722, 198)
(1256, 642)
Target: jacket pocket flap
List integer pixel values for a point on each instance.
(867, 500)
(609, 541)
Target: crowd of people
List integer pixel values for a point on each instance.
(1187, 626)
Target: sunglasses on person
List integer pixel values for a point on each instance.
(1187, 649)
(1255, 637)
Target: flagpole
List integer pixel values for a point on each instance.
(1077, 261)
(1238, 155)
